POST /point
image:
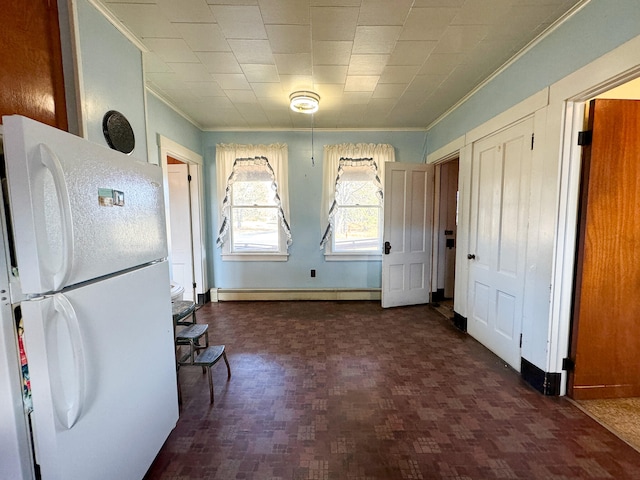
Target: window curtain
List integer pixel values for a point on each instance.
(232, 158)
(336, 157)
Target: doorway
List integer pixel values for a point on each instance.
(607, 195)
(604, 330)
(445, 236)
(182, 171)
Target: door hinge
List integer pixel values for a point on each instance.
(568, 364)
(585, 137)
(194, 284)
(189, 177)
(520, 340)
(532, 140)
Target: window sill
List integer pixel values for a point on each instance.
(255, 257)
(352, 257)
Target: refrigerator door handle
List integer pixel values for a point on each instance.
(51, 162)
(68, 410)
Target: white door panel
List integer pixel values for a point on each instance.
(406, 269)
(181, 231)
(497, 240)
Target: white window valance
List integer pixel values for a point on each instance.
(241, 159)
(349, 154)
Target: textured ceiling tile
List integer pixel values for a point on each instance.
(220, 62)
(203, 37)
(398, 74)
(293, 64)
(293, 83)
(252, 51)
(231, 81)
(171, 49)
(205, 89)
(371, 49)
(411, 52)
(377, 12)
(232, 2)
(261, 73)
(330, 74)
(441, 64)
(361, 83)
(146, 20)
(243, 22)
(267, 90)
(334, 23)
(427, 23)
(375, 39)
(367, 64)
(331, 52)
(285, 12)
(241, 96)
(186, 11)
(389, 90)
(460, 39)
(289, 38)
(356, 98)
(481, 12)
(191, 72)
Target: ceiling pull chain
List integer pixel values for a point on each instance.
(313, 163)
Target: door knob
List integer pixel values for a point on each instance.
(387, 248)
(471, 256)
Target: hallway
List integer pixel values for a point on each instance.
(348, 390)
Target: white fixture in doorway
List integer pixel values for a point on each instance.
(191, 231)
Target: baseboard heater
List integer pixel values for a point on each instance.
(270, 294)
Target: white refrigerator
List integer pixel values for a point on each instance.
(87, 356)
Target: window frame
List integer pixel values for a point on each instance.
(226, 154)
(378, 154)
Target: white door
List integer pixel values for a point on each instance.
(497, 239)
(103, 376)
(408, 215)
(180, 222)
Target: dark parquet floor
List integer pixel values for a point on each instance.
(348, 390)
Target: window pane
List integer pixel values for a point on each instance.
(252, 193)
(254, 229)
(357, 229)
(357, 193)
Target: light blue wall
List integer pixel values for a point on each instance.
(112, 79)
(162, 120)
(593, 31)
(305, 187)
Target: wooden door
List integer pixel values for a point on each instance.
(497, 239)
(31, 74)
(605, 343)
(408, 217)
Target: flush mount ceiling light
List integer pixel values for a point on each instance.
(304, 102)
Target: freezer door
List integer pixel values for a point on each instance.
(103, 376)
(79, 210)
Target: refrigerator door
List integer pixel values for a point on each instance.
(103, 376)
(79, 210)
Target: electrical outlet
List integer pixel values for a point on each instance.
(313, 273)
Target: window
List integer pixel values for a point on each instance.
(352, 201)
(253, 214)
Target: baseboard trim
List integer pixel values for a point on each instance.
(204, 297)
(243, 294)
(547, 383)
(459, 322)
